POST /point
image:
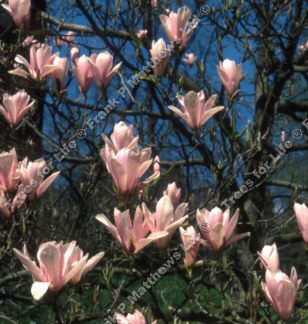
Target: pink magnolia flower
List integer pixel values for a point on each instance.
(15, 107)
(102, 68)
(83, 71)
(19, 10)
(230, 75)
(301, 212)
(9, 174)
(31, 176)
(195, 110)
(125, 161)
(280, 290)
(136, 318)
(174, 193)
(132, 236)
(190, 58)
(127, 166)
(191, 244)
(58, 264)
(159, 56)
(122, 137)
(4, 208)
(165, 218)
(269, 257)
(59, 74)
(40, 64)
(217, 228)
(141, 33)
(177, 26)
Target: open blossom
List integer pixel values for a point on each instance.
(217, 228)
(31, 174)
(190, 58)
(125, 161)
(281, 290)
(177, 26)
(9, 174)
(19, 11)
(135, 318)
(40, 65)
(230, 75)
(269, 257)
(83, 70)
(15, 107)
(191, 244)
(102, 68)
(159, 56)
(132, 236)
(59, 74)
(301, 212)
(141, 33)
(165, 218)
(58, 264)
(24, 179)
(127, 166)
(195, 110)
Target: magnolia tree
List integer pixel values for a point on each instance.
(153, 162)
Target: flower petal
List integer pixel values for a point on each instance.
(39, 289)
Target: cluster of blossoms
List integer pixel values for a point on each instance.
(43, 63)
(21, 181)
(98, 67)
(279, 289)
(217, 231)
(147, 227)
(126, 168)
